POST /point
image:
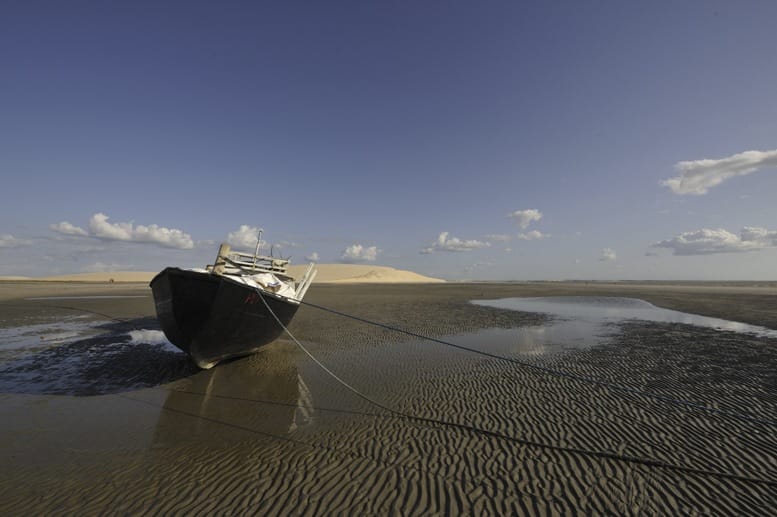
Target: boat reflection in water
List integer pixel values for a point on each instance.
(263, 394)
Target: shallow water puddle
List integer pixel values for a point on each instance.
(47, 334)
(79, 355)
(581, 321)
(556, 336)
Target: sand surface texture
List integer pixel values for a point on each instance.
(102, 415)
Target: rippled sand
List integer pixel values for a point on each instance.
(117, 422)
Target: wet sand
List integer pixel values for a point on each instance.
(97, 419)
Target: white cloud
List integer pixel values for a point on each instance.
(9, 241)
(443, 243)
(167, 237)
(533, 235)
(68, 229)
(100, 228)
(758, 234)
(359, 253)
(707, 241)
(697, 176)
(170, 238)
(313, 257)
(608, 254)
(524, 218)
(245, 237)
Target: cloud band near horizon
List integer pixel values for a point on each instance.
(712, 241)
(453, 244)
(100, 228)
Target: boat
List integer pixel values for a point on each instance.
(229, 309)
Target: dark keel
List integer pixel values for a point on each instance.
(212, 317)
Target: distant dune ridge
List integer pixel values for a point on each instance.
(356, 273)
(327, 273)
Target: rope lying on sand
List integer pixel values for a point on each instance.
(648, 462)
(560, 373)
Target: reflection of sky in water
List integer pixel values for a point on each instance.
(47, 334)
(553, 337)
(582, 321)
(69, 329)
(81, 355)
(152, 337)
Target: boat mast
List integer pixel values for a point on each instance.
(258, 245)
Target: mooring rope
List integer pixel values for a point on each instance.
(559, 373)
(648, 462)
(76, 309)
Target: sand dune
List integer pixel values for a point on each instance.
(355, 273)
(327, 273)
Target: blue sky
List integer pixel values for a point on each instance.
(468, 140)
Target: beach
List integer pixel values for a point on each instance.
(101, 415)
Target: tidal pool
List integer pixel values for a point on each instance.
(582, 321)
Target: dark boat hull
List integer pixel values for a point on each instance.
(212, 317)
